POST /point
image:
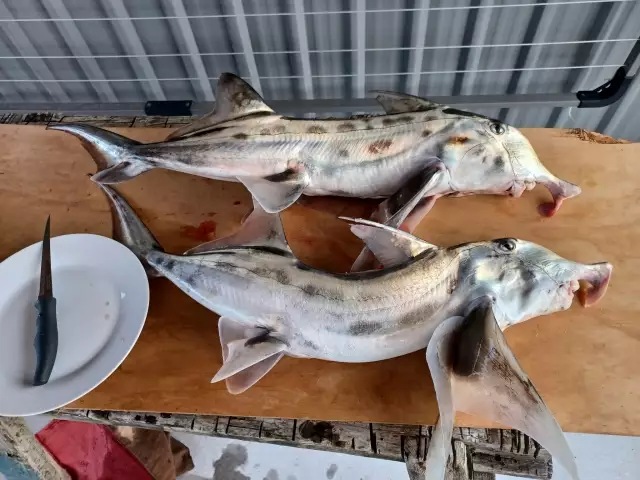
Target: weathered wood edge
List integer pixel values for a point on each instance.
(495, 451)
(17, 441)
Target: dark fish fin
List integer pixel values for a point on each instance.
(113, 154)
(394, 210)
(260, 229)
(129, 230)
(277, 192)
(235, 98)
(248, 354)
(405, 208)
(475, 371)
(393, 102)
(390, 245)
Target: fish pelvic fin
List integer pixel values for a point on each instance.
(235, 98)
(390, 245)
(248, 353)
(129, 229)
(260, 229)
(113, 154)
(475, 371)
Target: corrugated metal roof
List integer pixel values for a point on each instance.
(125, 51)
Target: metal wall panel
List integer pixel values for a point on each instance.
(63, 51)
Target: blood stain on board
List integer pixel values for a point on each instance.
(204, 232)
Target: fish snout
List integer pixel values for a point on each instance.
(560, 191)
(593, 280)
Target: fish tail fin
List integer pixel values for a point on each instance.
(248, 353)
(113, 154)
(475, 371)
(129, 229)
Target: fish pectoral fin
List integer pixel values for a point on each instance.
(248, 353)
(439, 350)
(393, 102)
(260, 229)
(413, 195)
(235, 98)
(475, 371)
(277, 192)
(406, 208)
(390, 245)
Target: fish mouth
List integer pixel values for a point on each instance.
(592, 283)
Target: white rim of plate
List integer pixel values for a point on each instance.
(65, 249)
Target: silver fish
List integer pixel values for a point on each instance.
(457, 298)
(415, 153)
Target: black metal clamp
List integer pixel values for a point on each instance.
(169, 108)
(613, 90)
(607, 93)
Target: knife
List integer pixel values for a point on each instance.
(46, 341)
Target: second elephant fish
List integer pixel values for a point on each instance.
(415, 153)
(452, 301)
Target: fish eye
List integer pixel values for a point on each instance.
(497, 128)
(506, 244)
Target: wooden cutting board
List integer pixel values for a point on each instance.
(584, 362)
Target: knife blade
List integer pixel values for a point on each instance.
(46, 340)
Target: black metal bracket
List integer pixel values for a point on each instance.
(606, 94)
(169, 108)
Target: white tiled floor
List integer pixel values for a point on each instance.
(599, 457)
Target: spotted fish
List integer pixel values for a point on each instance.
(454, 302)
(415, 153)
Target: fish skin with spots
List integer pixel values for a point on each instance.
(279, 159)
(272, 305)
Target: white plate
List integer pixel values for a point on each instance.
(102, 295)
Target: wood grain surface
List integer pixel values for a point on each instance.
(584, 362)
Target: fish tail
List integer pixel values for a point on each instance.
(114, 155)
(129, 229)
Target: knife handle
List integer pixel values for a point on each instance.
(46, 341)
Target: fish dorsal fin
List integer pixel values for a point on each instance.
(475, 371)
(235, 98)
(390, 245)
(393, 102)
(260, 229)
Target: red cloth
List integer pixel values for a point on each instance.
(90, 452)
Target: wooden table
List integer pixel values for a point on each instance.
(584, 362)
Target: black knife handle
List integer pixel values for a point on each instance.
(46, 341)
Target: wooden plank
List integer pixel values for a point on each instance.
(150, 122)
(393, 442)
(507, 464)
(13, 118)
(106, 121)
(582, 361)
(180, 121)
(459, 466)
(339, 436)
(21, 446)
